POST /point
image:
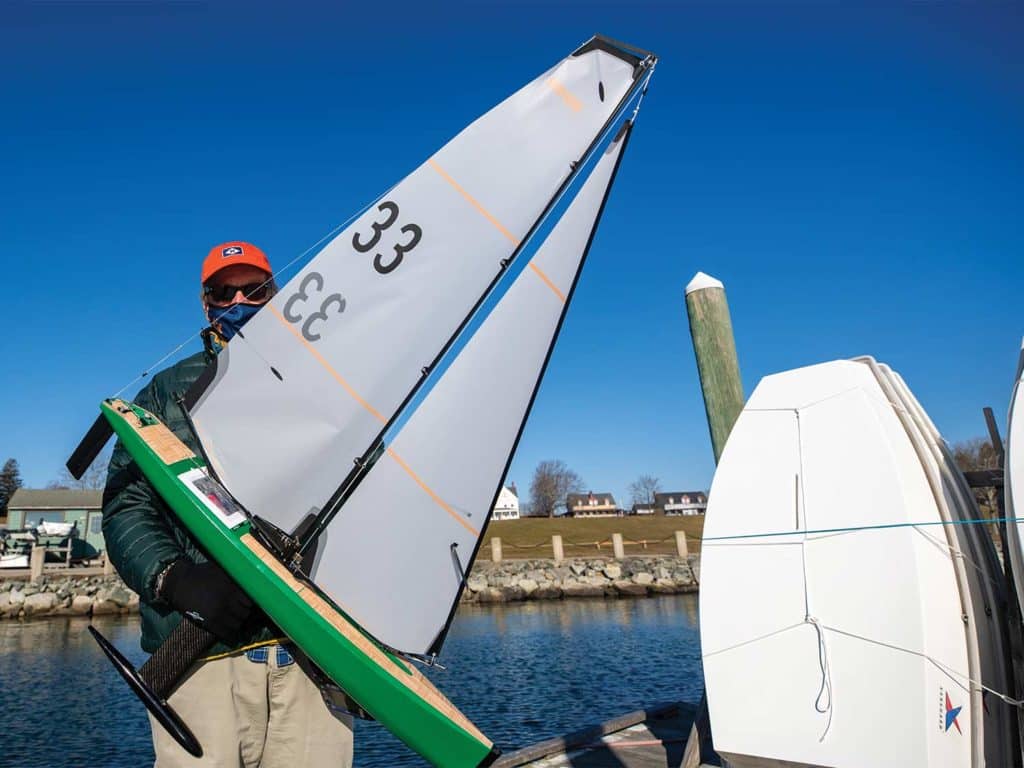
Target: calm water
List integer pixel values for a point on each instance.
(522, 673)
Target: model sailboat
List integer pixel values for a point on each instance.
(351, 465)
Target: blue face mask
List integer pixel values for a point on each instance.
(229, 319)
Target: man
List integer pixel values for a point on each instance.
(249, 704)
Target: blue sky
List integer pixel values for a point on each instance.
(853, 173)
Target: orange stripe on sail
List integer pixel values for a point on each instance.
(570, 101)
(327, 366)
(547, 281)
(440, 502)
(472, 201)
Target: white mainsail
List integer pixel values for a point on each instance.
(322, 369)
(425, 502)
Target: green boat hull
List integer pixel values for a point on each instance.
(387, 686)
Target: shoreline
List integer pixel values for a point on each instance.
(504, 582)
(579, 577)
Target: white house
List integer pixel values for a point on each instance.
(591, 505)
(507, 507)
(682, 502)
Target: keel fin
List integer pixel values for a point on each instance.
(161, 673)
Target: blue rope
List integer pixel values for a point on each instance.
(970, 521)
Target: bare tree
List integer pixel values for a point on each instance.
(552, 482)
(972, 455)
(642, 489)
(94, 479)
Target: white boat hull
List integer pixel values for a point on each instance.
(1014, 483)
(839, 648)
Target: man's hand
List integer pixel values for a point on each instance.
(208, 596)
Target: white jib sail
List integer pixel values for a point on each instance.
(327, 363)
(423, 506)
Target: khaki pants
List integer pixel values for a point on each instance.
(247, 714)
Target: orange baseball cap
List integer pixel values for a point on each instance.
(234, 252)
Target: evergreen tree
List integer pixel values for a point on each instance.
(10, 481)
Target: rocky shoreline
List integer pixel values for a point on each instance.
(515, 580)
(66, 596)
(507, 581)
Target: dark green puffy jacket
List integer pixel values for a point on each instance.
(142, 535)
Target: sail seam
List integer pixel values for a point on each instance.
(427, 489)
(565, 94)
(327, 366)
(473, 201)
(547, 281)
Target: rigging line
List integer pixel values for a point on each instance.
(855, 528)
(643, 92)
(757, 639)
(283, 269)
(982, 572)
(940, 665)
(943, 545)
(812, 403)
(825, 691)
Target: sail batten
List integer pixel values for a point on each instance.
(431, 493)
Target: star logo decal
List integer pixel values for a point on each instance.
(951, 714)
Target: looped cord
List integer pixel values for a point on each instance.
(825, 692)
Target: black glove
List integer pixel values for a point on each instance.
(208, 596)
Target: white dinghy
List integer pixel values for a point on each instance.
(1014, 482)
(839, 607)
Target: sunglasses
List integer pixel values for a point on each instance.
(253, 293)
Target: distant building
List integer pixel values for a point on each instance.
(682, 502)
(591, 505)
(507, 507)
(29, 507)
(643, 509)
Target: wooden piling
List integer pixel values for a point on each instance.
(495, 549)
(556, 548)
(618, 549)
(35, 562)
(715, 349)
(722, 388)
(682, 548)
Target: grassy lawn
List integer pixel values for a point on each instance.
(520, 538)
